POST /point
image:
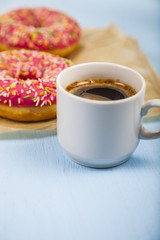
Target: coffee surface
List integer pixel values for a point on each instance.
(101, 89)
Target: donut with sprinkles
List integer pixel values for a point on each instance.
(28, 84)
(40, 29)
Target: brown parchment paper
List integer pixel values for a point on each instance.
(106, 45)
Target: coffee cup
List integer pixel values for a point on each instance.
(101, 134)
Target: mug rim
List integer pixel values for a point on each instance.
(91, 101)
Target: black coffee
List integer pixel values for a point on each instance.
(101, 89)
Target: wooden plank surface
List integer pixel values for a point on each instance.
(44, 195)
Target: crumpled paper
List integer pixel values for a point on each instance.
(103, 45)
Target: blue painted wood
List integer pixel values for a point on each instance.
(46, 196)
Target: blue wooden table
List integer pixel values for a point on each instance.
(46, 196)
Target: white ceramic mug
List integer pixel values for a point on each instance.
(96, 133)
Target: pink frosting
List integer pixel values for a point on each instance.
(28, 77)
(38, 29)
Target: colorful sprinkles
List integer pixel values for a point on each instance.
(22, 81)
(38, 29)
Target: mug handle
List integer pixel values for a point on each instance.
(144, 133)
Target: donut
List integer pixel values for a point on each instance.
(28, 84)
(39, 29)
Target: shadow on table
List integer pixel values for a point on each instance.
(134, 163)
(27, 134)
(56, 159)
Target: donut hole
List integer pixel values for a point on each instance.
(32, 75)
(26, 77)
(38, 18)
(24, 70)
(22, 17)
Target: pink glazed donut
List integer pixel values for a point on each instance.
(39, 29)
(28, 84)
